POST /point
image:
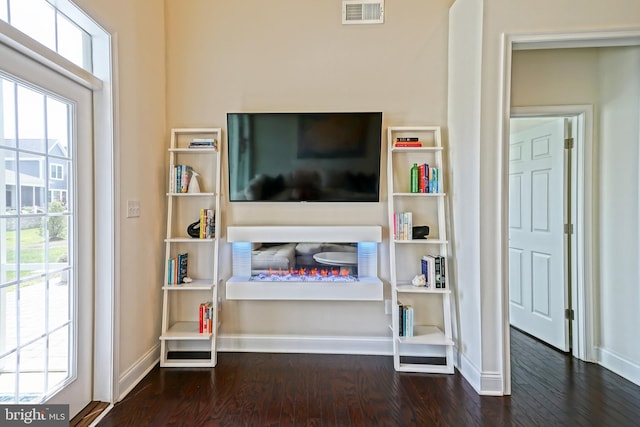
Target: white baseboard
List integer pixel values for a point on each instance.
(470, 372)
(305, 344)
(138, 370)
(491, 384)
(484, 383)
(620, 365)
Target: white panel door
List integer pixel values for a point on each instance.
(46, 291)
(537, 290)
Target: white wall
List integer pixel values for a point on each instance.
(223, 56)
(141, 134)
(619, 233)
(499, 17)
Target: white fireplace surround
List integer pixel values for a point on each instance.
(368, 287)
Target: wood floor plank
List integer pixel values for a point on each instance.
(549, 388)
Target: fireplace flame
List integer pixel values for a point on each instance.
(303, 273)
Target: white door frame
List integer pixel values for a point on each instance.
(511, 42)
(581, 177)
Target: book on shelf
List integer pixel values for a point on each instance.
(405, 320)
(179, 178)
(403, 226)
(177, 269)
(428, 266)
(203, 143)
(440, 282)
(400, 309)
(205, 318)
(207, 223)
(407, 139)
(434, 178)
(408, 144)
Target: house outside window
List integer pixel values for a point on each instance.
(55, 172)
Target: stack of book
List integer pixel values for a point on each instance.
(405, 320)
(402, 226)
(434, 271)
(428, 178)
(205, 317)
(203, 143)
(177, 269)
(179, 178)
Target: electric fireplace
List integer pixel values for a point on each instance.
(304, 263)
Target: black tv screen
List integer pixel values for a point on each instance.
(304, 157)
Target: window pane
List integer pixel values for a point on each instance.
(58, 356)
(8, 378)
(32, 305)
(30, 182)
(8, 246)
(3, 11)
(71, 40)
(31, 120)
(57, 127)
(32, 373)
(59, 186)
(36, 18)
(8, 181)
(8, 119)
(8, 313)
(59, 298)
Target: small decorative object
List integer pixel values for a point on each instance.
(420, 232)
(419, 280)
(187, 280)
(194, 187)
(193, 229)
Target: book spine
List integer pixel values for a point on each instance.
(410, 316)
(407, 139)
(210, 318)
(183, 261)
(444, 276)
(438, 272)
(426, 178)
(202, 223)
(201, 318)
(210, 224)
(400, 320)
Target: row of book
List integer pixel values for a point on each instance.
(203, 143)
(405, 320)
(177, 269)
(179, 178)
(434, 271)
(402, 226)
(207, 223)
(428, 178)
(205, 318)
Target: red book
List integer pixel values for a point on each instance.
(408, 144)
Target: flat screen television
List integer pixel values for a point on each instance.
(304, 157)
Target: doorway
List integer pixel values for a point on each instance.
(546, 222)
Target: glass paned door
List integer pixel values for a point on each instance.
(46, 236)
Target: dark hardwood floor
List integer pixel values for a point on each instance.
(257, 389)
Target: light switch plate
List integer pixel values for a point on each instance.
(133, 209)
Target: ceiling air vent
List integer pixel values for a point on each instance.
(362, 11)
